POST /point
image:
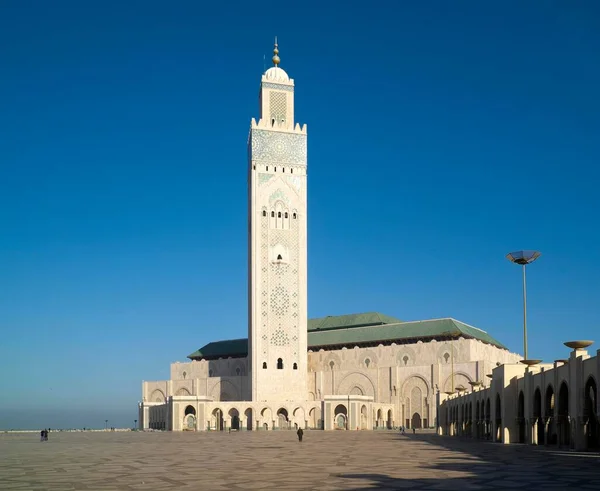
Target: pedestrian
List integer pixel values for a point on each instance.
(300, 433)
(414, 430)
(42, 435)
(46, 435)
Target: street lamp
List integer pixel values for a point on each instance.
(135, 424)
(524, 258)
(106, 424)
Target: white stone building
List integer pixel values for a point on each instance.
(360, 371)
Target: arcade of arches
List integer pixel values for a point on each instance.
(535, 405)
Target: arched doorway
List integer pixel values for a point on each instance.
(564, 425)
(470, 419)
(282, 419)
(552, 437)
(314, 418)
(363, 418)
(498, 418)
(299, 418)
(340, 417)
(379, 418)
(248, 415)
(477, 420)
(488, 418)
(592, 437)
(189, 418)
(235, 419)
(217, 419)
(521, 417)
(537, 416)
(390, 420)
(415, 421)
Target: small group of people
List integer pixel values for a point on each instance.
(44, 435)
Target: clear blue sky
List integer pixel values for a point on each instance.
(442, 135)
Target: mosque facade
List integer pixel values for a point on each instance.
(361, 371)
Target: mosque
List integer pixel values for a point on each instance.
(361, 371)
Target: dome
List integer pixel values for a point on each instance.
(276, 74)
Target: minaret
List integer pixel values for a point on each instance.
(277, 310)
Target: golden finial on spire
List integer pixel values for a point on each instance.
(276, 59)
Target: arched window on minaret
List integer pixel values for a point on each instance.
(264, 213)
(286, 221)
(279, 257)
(264, 365)
(294, 216)
(295, 366)
(279, 364)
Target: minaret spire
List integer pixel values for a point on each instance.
(276, 59)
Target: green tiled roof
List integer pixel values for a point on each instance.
(351, 320)
(401, 331)
(233, 347)
(356, 330)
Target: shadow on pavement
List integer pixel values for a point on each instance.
(485, 465)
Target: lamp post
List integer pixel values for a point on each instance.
(524, 258)
(135, 424)
(106, 424)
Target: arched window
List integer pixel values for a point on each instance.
(279, 364)
(278, 214)
(264, 213)
(283, 169)
(264, 364)
(184, 374)
(279, 258)
(331, 364)
(295, 366)
(291, 171)
(272, 214)
(238, 370)
(272, 121)
(367, 362)
(267, 167)
(286, 214)
(275, 169)
(294, 216)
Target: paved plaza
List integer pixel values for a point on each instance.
(276, 460)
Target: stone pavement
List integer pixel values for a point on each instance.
(276, 460)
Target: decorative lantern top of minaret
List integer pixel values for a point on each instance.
(276, 74)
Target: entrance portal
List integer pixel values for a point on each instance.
(416, 421)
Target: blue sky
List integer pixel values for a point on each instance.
(442, 135)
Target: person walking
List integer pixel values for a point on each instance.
(42, 435)
(300, 433)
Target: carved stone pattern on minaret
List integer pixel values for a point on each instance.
(278, 147)
(264, 301)
(278, 106)
(271, 85)
(284, 294)
(279, 195)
